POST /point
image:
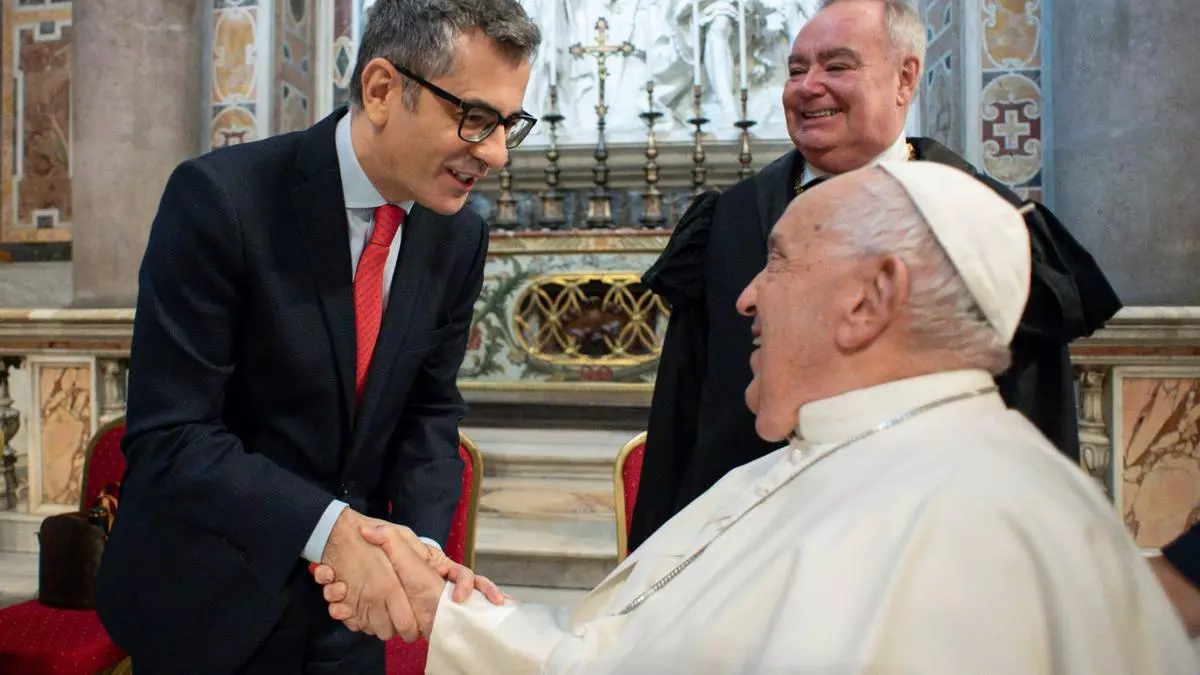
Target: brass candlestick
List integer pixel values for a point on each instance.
(744, 156)
(552, 202)
(600, 201)
(652, 200)
(699, 171)
(506, 206)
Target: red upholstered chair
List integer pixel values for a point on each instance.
(405, 658)
(36, 639)
(627, 477)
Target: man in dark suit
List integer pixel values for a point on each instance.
(853, 71)
(302, 314)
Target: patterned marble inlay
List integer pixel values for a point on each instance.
(295, 77)
(1160, 434)
(343, 50)
(234, 73)
(1011, 95)
(65, 404)
(36, 95)
(942, 89)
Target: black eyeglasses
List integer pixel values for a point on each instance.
(478, 121)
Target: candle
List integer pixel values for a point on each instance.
(551, 42)
(696, 41)
(743, 56)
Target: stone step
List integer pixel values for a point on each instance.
(551, 553)
(547, 498)
(548, 453)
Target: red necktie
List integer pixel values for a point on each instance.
(368, 288)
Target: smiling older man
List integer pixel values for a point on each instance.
(912, 524)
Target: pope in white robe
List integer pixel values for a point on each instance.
(913, 525)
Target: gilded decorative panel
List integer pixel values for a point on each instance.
(1012, 98)
(35, 188)
(295, 74)
(571, 312)
(1157, 427)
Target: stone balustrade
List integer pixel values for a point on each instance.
(63, 375)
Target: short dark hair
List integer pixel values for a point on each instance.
(421, 34)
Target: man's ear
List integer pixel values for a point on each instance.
(878, 295)
(909, 80)
(379, 81)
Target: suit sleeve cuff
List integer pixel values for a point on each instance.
(430, 542)
(315, 548)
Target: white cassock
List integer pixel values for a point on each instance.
(958, 541)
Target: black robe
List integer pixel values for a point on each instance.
(699, 425)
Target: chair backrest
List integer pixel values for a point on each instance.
(461, 545)
(627, 477)
(103, 462)
(409, 658)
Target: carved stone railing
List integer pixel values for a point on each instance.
(63, 374)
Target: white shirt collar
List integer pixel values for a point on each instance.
(357, 190)
(896, 152)
(840, 417)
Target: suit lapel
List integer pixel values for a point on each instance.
(321, 216)
(773, 190)
(412, 268)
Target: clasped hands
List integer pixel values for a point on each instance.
(380, 579)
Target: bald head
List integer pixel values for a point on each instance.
(859, 290)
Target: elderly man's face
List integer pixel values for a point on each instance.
(796, 301)
(847, 91)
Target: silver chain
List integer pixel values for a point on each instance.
(670, 576)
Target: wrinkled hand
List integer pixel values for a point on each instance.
(1179, 589)
(374, 602)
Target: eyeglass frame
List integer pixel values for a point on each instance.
(465, 107)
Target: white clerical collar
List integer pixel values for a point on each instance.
(896, 152)
(840, 417)
(357, 190)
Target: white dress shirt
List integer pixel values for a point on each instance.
(361, 200)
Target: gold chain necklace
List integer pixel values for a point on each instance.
(670, 576)
(798, 185)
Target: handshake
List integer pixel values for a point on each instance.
(380, 579)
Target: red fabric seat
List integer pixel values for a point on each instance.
(627, 478)
(39, 640)
(405, 658)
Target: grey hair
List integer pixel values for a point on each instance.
(421, 35)
(904, 26)
(942, 313)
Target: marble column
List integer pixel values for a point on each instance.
(137, 79)
(1126, 116)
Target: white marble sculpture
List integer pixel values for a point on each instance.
(663, 33)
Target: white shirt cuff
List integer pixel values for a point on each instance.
(315, 548)
(431, 542)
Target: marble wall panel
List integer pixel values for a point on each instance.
(295, 72)
(1157, 429)
(63, 424)
(942, 90)
(344, 52)
(1012, 98)
(235, 72)
(35, 113)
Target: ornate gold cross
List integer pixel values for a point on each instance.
(601, 50)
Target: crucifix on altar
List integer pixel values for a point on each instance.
(600, 201)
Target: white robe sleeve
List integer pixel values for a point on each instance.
(479, 637)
